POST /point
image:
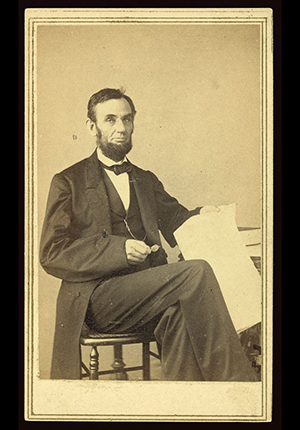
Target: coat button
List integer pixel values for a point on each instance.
(104, 234)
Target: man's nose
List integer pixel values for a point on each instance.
(120, 127)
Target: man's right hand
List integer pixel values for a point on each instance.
(136, 251)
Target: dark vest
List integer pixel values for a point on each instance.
(118, 213)
(133, 218)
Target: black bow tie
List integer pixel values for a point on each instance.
(118, 169)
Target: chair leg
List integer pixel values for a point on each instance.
(94, 363)
(146, 361)
(118, 364)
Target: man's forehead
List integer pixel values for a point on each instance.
(118, 107)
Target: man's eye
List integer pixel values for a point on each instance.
(110, 120)
(127, 119)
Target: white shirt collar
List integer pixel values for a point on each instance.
(121, 182)
(105, 160)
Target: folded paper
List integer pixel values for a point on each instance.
(214, 237)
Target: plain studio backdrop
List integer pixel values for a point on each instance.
(196, 89)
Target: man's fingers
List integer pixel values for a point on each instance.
(135, 260)
(137, 247)
(136, 251)
(209, 208)
(141, 248)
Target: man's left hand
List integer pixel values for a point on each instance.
(209, 208)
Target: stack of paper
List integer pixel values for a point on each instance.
(214, 237)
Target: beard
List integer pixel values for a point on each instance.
(115, 152)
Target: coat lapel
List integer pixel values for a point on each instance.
(96, 194)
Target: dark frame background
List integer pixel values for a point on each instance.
(277, 314)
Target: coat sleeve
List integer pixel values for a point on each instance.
(68, 256)
(171, 214)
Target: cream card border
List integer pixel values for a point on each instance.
(48, 400)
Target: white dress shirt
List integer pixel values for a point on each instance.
(120, 182)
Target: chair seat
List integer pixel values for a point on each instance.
(95, 338)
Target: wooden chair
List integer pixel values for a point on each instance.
(119, 369)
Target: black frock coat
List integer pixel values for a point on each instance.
(77, 245)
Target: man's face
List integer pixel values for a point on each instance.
(114, 128)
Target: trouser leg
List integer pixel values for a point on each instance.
(216, 345)
(177, 354)
(124, 303)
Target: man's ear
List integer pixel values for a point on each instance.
(91, 126)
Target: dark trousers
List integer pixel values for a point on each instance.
(191, 321)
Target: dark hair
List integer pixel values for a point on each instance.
(105, 95)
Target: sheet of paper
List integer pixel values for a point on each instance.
(214, 237)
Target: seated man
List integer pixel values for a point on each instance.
(101, 237)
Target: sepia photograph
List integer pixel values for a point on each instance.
(148, 214)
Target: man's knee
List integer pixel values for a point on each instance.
(199, 278)
(199, 266)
